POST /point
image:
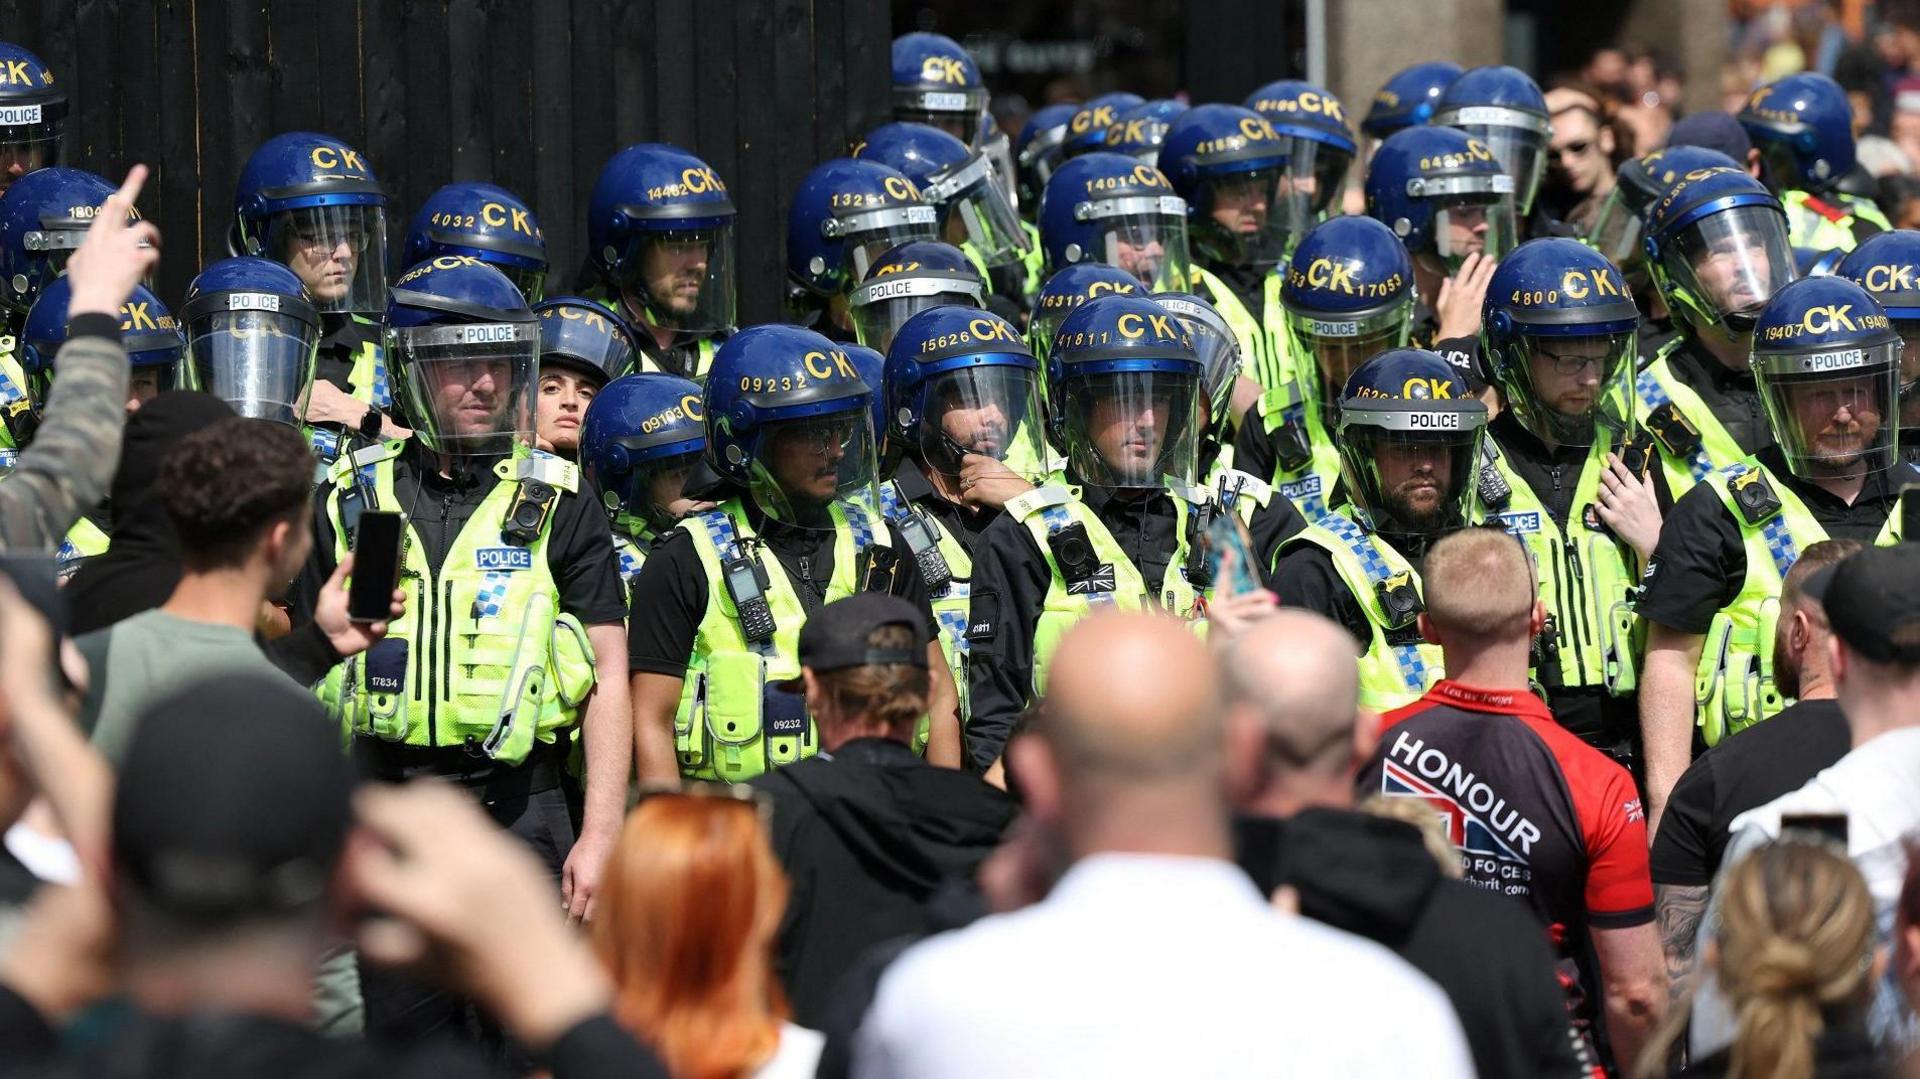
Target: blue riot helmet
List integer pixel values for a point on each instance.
(1558, 327)
(1312, 127)
(148, 331)
(1219, 352)
(1827, 362)
(1887, 265)
(462, 347)
(251, 337)
(961, 185)
(1504, 109)
(660, 232)
(1408, 98)
(44, 216)
(1065, 291)
(1638, 184)
(1140, 131)
(846, 215)
(960, 381)
(312, 202)
(33, 115)
(1409, 442)
(906, 281)
(1126, 395)
(575, 332)
(1813, 262)
(790, 420)
(642, 436)
(488, 222)
(1226, 162)
(936, 82)
(1108, 208)
(1039, 151)
(1348, 296)
(1087, 127)
(1717, 241)
(1802, 124)
(1443, 193)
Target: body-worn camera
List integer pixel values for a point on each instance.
(1073, 552)
(1400, 599)
(528, 514)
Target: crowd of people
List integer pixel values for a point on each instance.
(1149, 610)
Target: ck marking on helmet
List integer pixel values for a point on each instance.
(1084, 121)
(1888, 278)
(947, 69)
(438, 262)
(979, 330)
(591, 316)
(1579, 284)
(1314, 102)
(1252, 129)
(693, 181)
(137, 315)
(1162, 327)
(1475, 151)
(16, 72)
(825, 364)
(1827, 318)
(1337, 275)
(1141, 176)
(327, 157)
(687, 409)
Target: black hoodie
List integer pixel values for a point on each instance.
(867, 836)
(1375, 878)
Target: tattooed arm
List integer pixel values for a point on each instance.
(1678, 910)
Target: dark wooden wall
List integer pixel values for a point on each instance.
(533, 95)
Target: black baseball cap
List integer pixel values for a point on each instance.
(835, 638)
(1872, 601)
(234, 801)
(1713, 130)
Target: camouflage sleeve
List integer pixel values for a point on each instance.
(66, 470)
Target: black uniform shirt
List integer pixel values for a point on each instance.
(341, 337)
(1729, 394)
(670, 595)
(967, 523)
(1700, 563)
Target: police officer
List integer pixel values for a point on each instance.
(33, 115)
(1312, 126)
(1226, 162)
(1122, 525)
(1567, 474)
(1347, 296)
(312, 202)
(1409, 443)
(583, 346)
(1065, 292)
(1827, 361)
(1038, 151)
(844, 217)
(251, 336)
(660, 239)
(43, 217)
(1087, 127)
(960, 183)
(718, 607)
(936, 82)
(1407, 99)
(1717, 244)
(1802, 124)
(908, 280)
(1503, 108)
(486, 222)
(1887, 265)
(1140, 131)
(642, 437)
(1103, 207)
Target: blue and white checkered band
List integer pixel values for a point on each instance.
(1413, 668)
(493, 593)
(893, 502)
(67, 560)
(720, 533)
(1653, 396)
(953, 623)
(382, 388)
(630, 560)
(1774, 532)
(10, 391)
(8, 458)
(860, 523)
(326, 443)
(1057, 518)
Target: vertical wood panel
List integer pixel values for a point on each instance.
(550, 147)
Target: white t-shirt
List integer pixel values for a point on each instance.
(798, 1055)
(1145, 965)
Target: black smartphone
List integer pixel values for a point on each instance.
(1910, 513)
(1828, 826)
(377, 541)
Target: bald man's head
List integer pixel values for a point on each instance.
(1132, 697)
(1295, 672)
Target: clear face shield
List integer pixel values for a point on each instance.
(956, 112)
(685, 277)
(1472, 215)
(1241, 220)
(652, 489)
(1310, 186)
(32, 138)
(812, 471)
(1571, 390)
(978, 213)
(1146, 236)
(990, 411)
(1909, 331)
(1518, 140)
(1412, 480)
(1133, 429)
(1615, 231)
(1339, 343)
(999, 153)
(870, 234)
(338, 252)
(1042, 154)
(1832, 412)
(883, 305)
(468, 389)
(1727, 265)
(260, 362)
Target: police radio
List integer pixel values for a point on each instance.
(925, 545)
(1073, 552)
(746, 581)
(1495, 491)
(533, 502)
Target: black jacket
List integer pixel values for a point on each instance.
(1373, 877)
(867, 835)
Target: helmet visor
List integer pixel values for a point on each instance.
(1132, 428)
(989, 411)
(1146, 237)
(468, 389)
(28, 148)
(1243, 217)
(1832, 411)
(1474, 224)
(1413, 483)
(867, 236)
(1615, 231)
(1569, 390)
(1517, 140)
(1310, 185)
(881, 306)
(956, 112)
(1909, 373)
(530, 280)
(817, 471)
(654, 491)
(977, 214)
(684, 277)
(339, 253)
(1339, 343)
(1727, 265)
(260, 362)
(999, 151)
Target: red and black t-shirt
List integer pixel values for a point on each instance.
(1537, 813)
